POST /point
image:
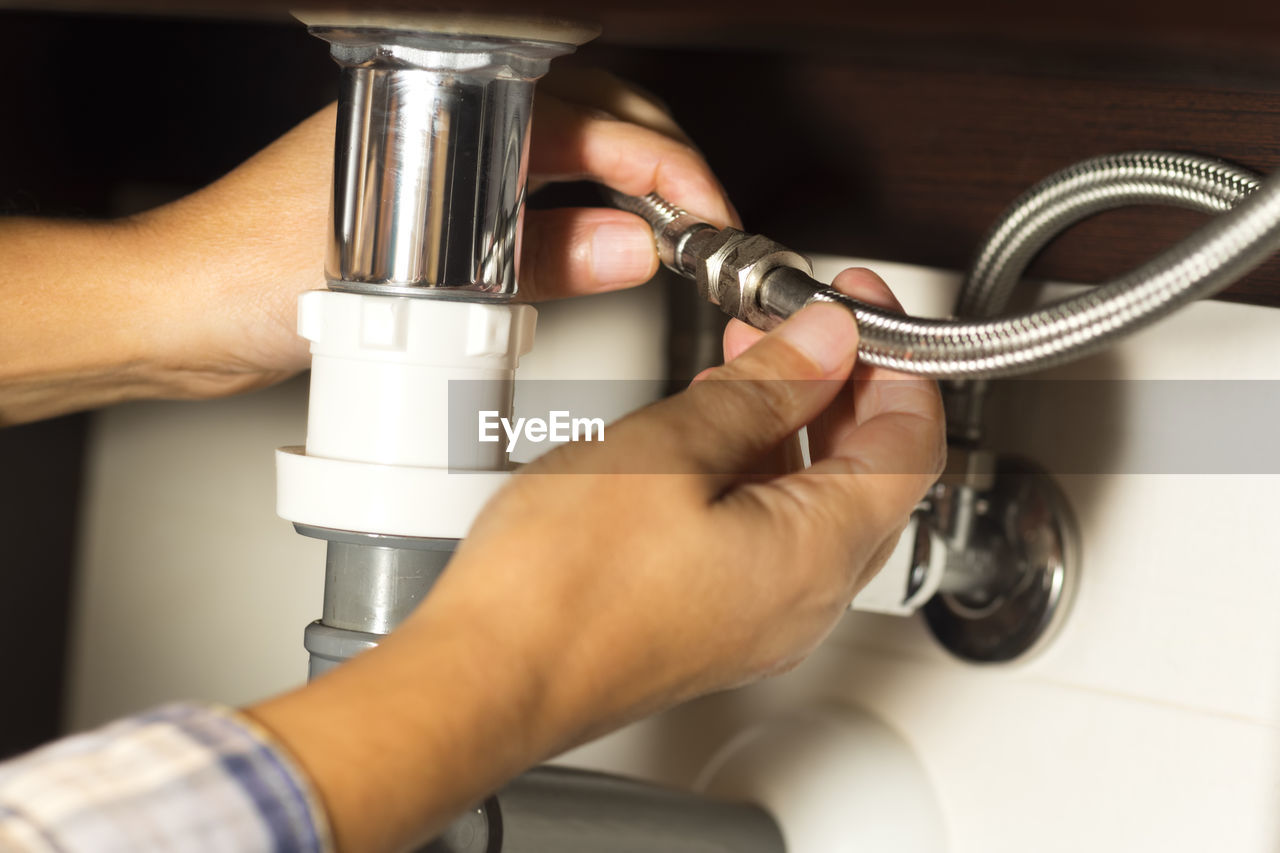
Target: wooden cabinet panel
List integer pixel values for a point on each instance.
(910, 155)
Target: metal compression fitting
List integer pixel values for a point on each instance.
(761, 282)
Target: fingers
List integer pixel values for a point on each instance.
(865, 285)
(876, 450)
(740, 411)
(572, 141)
(571, 252)
(862, 283)
(857, 282)
(738, 338)
(590, 124)
(594, 87)
(874, 478)
(788, 456)
(875, 389)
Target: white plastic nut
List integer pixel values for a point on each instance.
(385, 372)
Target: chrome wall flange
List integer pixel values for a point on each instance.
(1013, 558)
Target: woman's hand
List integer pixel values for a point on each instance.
(610, 580)
(198, 298)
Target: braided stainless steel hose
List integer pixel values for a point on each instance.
(1082, 190)
(1053, 206)
(759, 283)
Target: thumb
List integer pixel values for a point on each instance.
(745, 408)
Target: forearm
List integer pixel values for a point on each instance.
(404, 738)
(96, 313)
(512, 659)
(74, 336)
(194, 299)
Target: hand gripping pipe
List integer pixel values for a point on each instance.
(761, 282)
(416, 333)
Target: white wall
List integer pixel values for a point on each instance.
(1151, 723)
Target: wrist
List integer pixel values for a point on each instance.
(77, 314)
(403, 738)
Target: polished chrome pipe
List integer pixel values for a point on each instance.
(430, 161)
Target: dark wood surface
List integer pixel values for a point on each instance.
(728, 22)
(906, 153)
(902, 131)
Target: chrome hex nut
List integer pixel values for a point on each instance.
(735, 270)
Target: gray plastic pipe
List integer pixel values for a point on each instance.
(560, 810)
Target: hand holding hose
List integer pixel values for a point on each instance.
(761, 282)
(611, 580)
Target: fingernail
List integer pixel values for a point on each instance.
(827, 334)
(622, 253)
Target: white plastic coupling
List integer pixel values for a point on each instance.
(386, 372)
(910, 576)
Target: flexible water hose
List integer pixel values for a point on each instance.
(1219, 253)
(1082, 190)
(1054, 205)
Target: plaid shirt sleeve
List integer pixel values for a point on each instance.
(186, 777)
